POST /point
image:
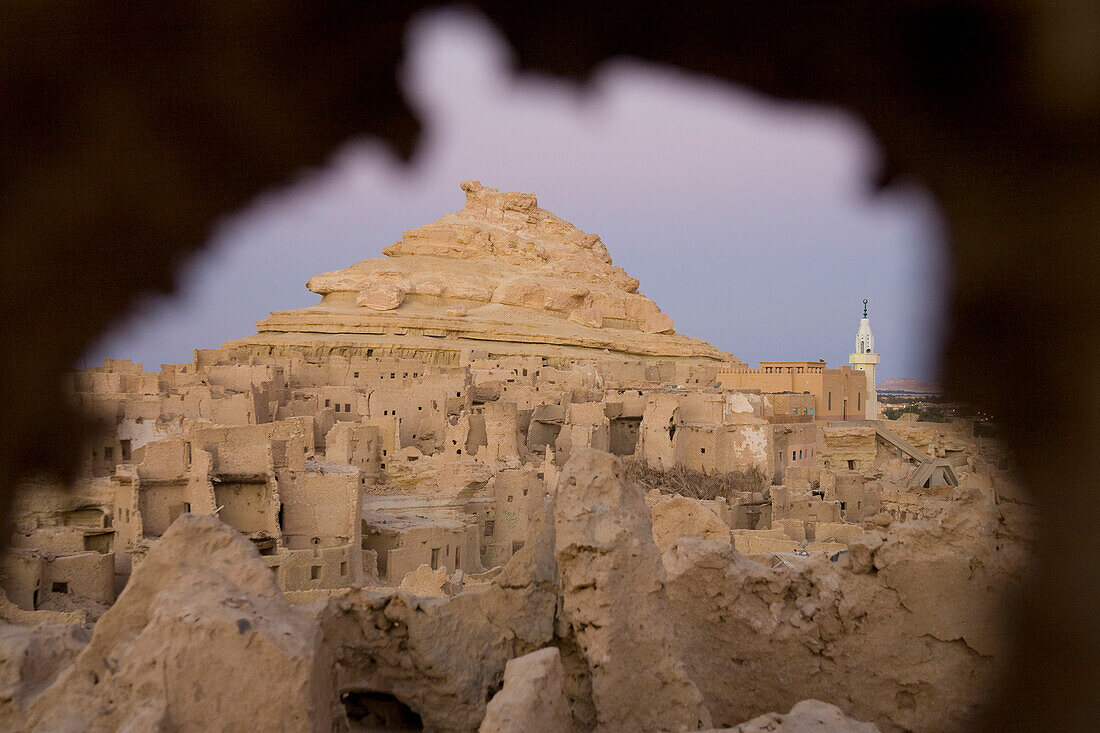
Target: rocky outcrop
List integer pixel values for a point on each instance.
(501, 273)
(533, 696)
(381, 296)
(613, 600)
(201, 636)
(902, 633)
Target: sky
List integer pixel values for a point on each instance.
(751, 221)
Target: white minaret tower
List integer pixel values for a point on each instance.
(865, 360)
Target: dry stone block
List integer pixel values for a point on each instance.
(381, 296)
(533, 696)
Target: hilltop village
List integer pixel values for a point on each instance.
(458, 478)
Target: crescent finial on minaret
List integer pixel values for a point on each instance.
(864, 307)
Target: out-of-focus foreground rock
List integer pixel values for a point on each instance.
(808, 716)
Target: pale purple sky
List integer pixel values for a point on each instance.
(752, 222)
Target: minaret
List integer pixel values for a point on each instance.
(865, 360)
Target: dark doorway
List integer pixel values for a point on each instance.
(378, 711)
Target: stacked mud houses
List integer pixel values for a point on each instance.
(449, 405)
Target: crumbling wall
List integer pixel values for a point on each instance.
(624, 435)
(86, 575)
(355, 445)
(586, 426)
(320, 540)
(680, 516)
(724, 448)
(501, 434)
(316, 569)
(658, 432)
(249, 505)
(405, 542)
(544, 427)
(21, 577)
(518, 495)
(319, 508)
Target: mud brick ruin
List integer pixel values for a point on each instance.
(485, 484)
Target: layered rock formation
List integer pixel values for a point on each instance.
(502, 275)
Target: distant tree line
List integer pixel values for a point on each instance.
(927, 408)
(895, 398)
(924, 413)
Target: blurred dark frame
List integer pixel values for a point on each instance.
(129, 128)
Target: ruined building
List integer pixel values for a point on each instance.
(485, 484)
